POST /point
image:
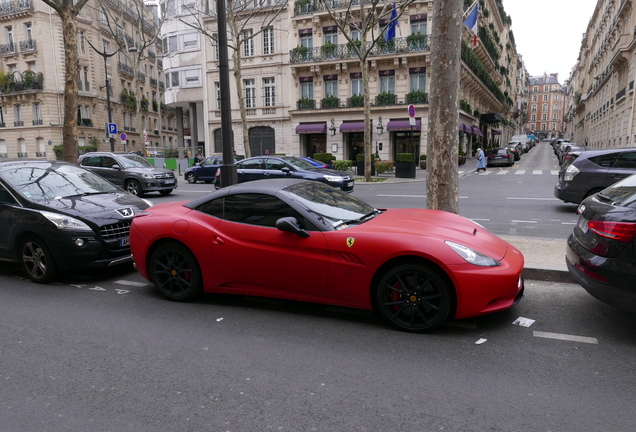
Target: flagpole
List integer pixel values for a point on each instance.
(465, 14)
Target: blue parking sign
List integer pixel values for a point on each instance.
(112, 128)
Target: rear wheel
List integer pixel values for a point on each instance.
(175, 272)
(414, 297)
(37, 260)
(134, 187)
(191, 178)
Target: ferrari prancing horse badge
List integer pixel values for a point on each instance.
(350, 241)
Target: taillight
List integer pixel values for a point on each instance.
(620, 231)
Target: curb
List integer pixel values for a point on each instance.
(547, 275)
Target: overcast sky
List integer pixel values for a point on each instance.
(548, 33)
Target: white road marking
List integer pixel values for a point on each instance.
(537, 172)
(131, 283)
(568, 223)
(565, 337)
(523, 221)
(479, 220)
(520, 172)
(502, 172)
(403, 196)
(532, 199)
(554, 172)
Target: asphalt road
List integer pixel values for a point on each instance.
(106, 353)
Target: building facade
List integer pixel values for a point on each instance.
(302, 84)
(32, 79)
(546, 107)
(601, 99)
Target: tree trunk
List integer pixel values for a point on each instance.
(69, 129)
(236, 57)
(442, 181)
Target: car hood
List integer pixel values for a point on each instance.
(149, 170)
(327, 171)
(99, 209)
(439, 224)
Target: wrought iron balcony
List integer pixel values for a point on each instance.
(8, 48)
(28, 45)
(125, 69)
(11, 7)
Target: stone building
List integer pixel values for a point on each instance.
(546, 106)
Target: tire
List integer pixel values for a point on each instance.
(414, 298)
(37, 260)
(191, 178)
(175, 272)
(166, 192)
(134, 187)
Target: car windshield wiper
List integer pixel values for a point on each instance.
(362, 219)
(85, 194)
(603, 196)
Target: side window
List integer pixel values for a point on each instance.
(108, 162)
(257, 209)
(5, 196)
(275, 164)
(251, 164)
(605, 160)
(626, 160)
(213, 208)
(91, 161)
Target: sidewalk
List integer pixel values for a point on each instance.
(544, 258)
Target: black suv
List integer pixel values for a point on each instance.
(130, 171)
(593, 171)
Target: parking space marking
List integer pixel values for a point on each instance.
(554, 172)
(565, 337)
(402, 196)
(131, 283)
(533, 199)
(502, 172)
(523, 221)
(520, 172)
(537, 172)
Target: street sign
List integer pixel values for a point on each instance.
(112, 128)
(411, 111)
(123, 136)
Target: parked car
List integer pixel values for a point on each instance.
(601, 251)
(317, 163)
(58, 217)
(307, 241)
(515, 148)
(267, 167)
(570, 150)
(593, 171)
(205, 171)
(130, 171)
(499, 157)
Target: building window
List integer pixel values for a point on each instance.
(248, 43)
(269, 92)
(554, 126)
(535, 98)
(544, 107)
(215, 44)
(192, 77)
(217, 91)
(1, 120)
(28, 32)
(418, 27)
(387, 84)
(9, 38)
(535, 89)
(17, 111)
(418, 82)
(190, 42)
(331, 37)
(81, 42)
(355, 34)
(556, 97)
(546, 97)
(268, 41)
(544, 117)
(534, 108)
(357, 89)
(533, 117)
(249, 90)
(307, 90)
(331, 88)
(542, 126)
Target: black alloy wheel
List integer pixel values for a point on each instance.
(175, 272)
(166, 192)
(414, 298)
(134, 187)
(37, 260)
(191, 177)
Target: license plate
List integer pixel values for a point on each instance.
(350, 184)
(170, 181)
(124, 241)
(582, 224)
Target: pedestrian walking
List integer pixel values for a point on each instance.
(481, 160)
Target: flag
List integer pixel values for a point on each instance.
(471, 22)
(390, 29)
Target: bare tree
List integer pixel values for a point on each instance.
(68, 10)
(241, 15)
(365, 20)
(442, 182)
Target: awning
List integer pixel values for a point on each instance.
(496, 131)
(465, 128)
(477, 131)
(312, 128)
(353, 127)
(403, 125)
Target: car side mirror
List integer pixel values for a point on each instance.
(290, 224)
(115, 167)
(286, 170)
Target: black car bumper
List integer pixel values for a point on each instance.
(561, 192)
(610, 280)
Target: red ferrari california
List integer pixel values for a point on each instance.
(307, 241)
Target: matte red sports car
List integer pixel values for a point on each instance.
(307, 241)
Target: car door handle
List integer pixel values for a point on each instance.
(217, 240)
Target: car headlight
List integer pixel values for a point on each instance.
(472, 256)
(333, 178)
(148, 176)
(66, 222)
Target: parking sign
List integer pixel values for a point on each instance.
(112, 128)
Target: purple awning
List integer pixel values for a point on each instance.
(465, 128)
(477, 131)
(403, 125)
(353, 127)
(312, 128)
(496, 131)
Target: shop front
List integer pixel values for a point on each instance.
(313, 138)
(405, 137)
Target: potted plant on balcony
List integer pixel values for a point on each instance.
(405, 165)
(328, 50)
(416, 41)
(416, 96)
(330, 102)
(300, 52)
(356, 101)
(351, 45)
(385, 98)
(305, 103)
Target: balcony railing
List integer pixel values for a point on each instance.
(19, 82)
(37, 122)
(125, 69)
(141, 76)
(384, 99)
(153, 82)
(11, 7)
(18, 123)
(8, 48)
(28, 45)
(332, 52)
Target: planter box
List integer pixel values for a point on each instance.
(360, 168)
(405, 169)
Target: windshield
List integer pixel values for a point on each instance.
(134, 161)
(46, 182)
(331, 205)
(299, 163)
(622, 193)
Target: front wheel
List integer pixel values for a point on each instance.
(134, 187)
(37, 260)
(175, 272)
(414, 297)
(191, 178)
